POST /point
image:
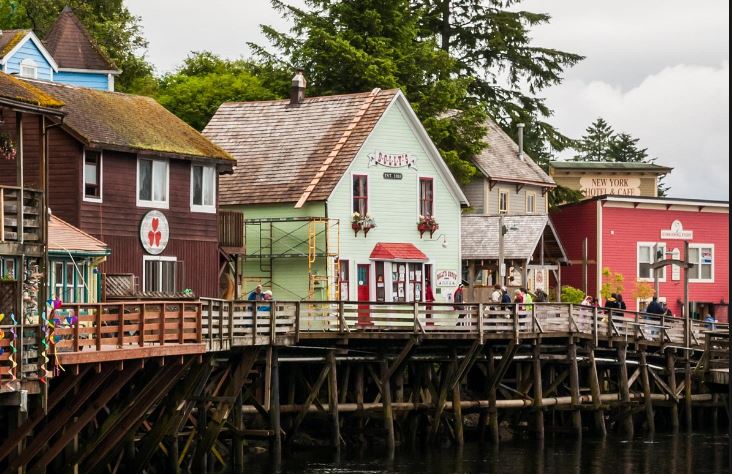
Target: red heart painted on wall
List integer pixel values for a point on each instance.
(155, 223)
(158, 236)
(151, 237)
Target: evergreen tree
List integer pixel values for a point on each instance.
(359, 45)
(117, 31)
(624, 148)
(595, 144)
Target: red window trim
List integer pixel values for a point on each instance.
(425, 201)
(358, 198)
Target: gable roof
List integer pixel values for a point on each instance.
(397, 251)
(608, 165)
(73, 48)
(63, 237)
(129, 123)
(14, 90)
(281, 148)
(499, 160)
(13, 40)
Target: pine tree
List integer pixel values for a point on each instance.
(595, 144)
(624, 148)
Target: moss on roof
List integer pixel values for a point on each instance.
(21, 91)
(12, 42)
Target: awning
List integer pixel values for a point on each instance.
(400, 252)
(480, 238)
(65, 239)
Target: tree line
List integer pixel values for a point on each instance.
(457, 61)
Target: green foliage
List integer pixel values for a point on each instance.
(117, 31)
(359, 45)
(205, 81)
(572, 295)
(612, 282)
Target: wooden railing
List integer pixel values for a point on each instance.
(228, 323)
(11, 214)
(20, 358)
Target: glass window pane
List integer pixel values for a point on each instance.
(145, 183)
(209, 174)
(706, 272)
(644, 270)
(644, 254)
(694, 255)
(160, 180)
(197, 185)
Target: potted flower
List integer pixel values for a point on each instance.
(367, 223)
(7, 147)
(427, 224)
(356, 222)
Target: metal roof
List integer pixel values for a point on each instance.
(608, 165)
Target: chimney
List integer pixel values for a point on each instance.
(297, 91)
(520, 141)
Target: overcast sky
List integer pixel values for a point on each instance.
(657, 69)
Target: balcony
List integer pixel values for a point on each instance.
(28, 216)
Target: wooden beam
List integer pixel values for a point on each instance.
(647, 402)
(406, 350)
(596, 391)
(309, 401)
(333, 400)
(388, 413)
(538, 392)
(574, 387)
(625, 416)
(467, 362)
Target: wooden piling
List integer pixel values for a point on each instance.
(538, 392)
(492, 395)
(333, 400)
(388, 414)
(457, 407)
(625, 411)
(574, 387)
(671, 371)
(647, 402)
(274, 407)
(596, 391)
(687, 393)
(237, 441)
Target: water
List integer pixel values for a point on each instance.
(693, 454)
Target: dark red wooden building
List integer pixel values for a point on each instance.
(624, 234)
(125, 170)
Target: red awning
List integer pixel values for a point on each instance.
(384, 251)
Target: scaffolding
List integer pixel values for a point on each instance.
(316, 239)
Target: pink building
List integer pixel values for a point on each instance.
(623, 234)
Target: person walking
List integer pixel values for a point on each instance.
(496, 295)
(256, 294)
(621, 303)
(528, 299)
(429, 297)
(458, 297)
(654, 307)
(506, 298)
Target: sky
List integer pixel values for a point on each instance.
(657, 69)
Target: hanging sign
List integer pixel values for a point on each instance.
(615, 185)
(392, 160)
(445, 278)
(675, 269)
(154, 232)
(677, 232)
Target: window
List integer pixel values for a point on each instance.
(702, 256)
(426, 197)
(344, 279)
(646, 258)
(502, 201)
(68, 282)
(160, 274)
(29, 69)
(152, 183)
(203, 188)
(530, 203)
(92, 175)
(361, 194)
(7, 265)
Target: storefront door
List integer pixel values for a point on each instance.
(363, 275)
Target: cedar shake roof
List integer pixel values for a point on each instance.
(608, 165)
(480, 240)
(16, 90)
(73, 48)
(392, 251)
(9, 39)
(129, 123)
(63, 237)
(499, 160)
(286, 153)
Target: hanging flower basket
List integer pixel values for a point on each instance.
(362, 223)
(7, 147)
(427, 224)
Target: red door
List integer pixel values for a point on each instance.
(363, 275)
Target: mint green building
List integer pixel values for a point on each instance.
(343, 197)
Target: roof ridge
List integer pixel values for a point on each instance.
(318, 97)
(338, 147)
(73, 227)
(68, 12)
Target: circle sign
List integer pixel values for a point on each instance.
(154, 232)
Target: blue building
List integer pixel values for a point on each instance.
(68, 55)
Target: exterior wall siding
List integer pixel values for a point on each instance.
(83, 79)
(394, 204)
(475, 191)
(516, 200)
(574, 224)
(29, 50)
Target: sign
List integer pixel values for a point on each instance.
(445, 278)
(154, 232)
(675, 269)
(677, 232)
(392, 160)
(706, 256)
(393, 176)
(539, 280)
(592, 186)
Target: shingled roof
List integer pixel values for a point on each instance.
(129, 123)
(9, 39)
(73, 48)
(15, 90)
(281, 150)
(608, 165)
(499, 160)
(63, 237)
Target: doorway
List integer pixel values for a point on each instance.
(363, 276)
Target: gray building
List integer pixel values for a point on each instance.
(508, 222)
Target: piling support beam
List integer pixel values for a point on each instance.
(274, 407)
(333, 397)
(596, 391)
(492, 395)
(671, 371)
(625, 411)
(647, 402)
(687, 393)
(574, 387)
(538, 392)
(457, 406)
(388, 413)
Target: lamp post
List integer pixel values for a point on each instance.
(502, 231)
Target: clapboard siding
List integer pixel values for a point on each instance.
(29, 50)
(83, 79)
(574, 224)
(31, 141)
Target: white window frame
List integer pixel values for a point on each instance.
(532, 195)
(699, 247)
(508, 201)
(662, 276)
(419, 194)
(101, 179)
(29, 64)
(202, 207)
(155, 258)
(152, 203)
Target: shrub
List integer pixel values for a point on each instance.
(572, 295)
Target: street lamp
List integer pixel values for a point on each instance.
(503, 230)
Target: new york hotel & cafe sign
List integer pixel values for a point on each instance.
(592, 186)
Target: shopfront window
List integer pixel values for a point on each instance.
(646, 256)
(702, 256)
(407, 282)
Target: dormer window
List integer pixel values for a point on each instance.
(29, 69)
